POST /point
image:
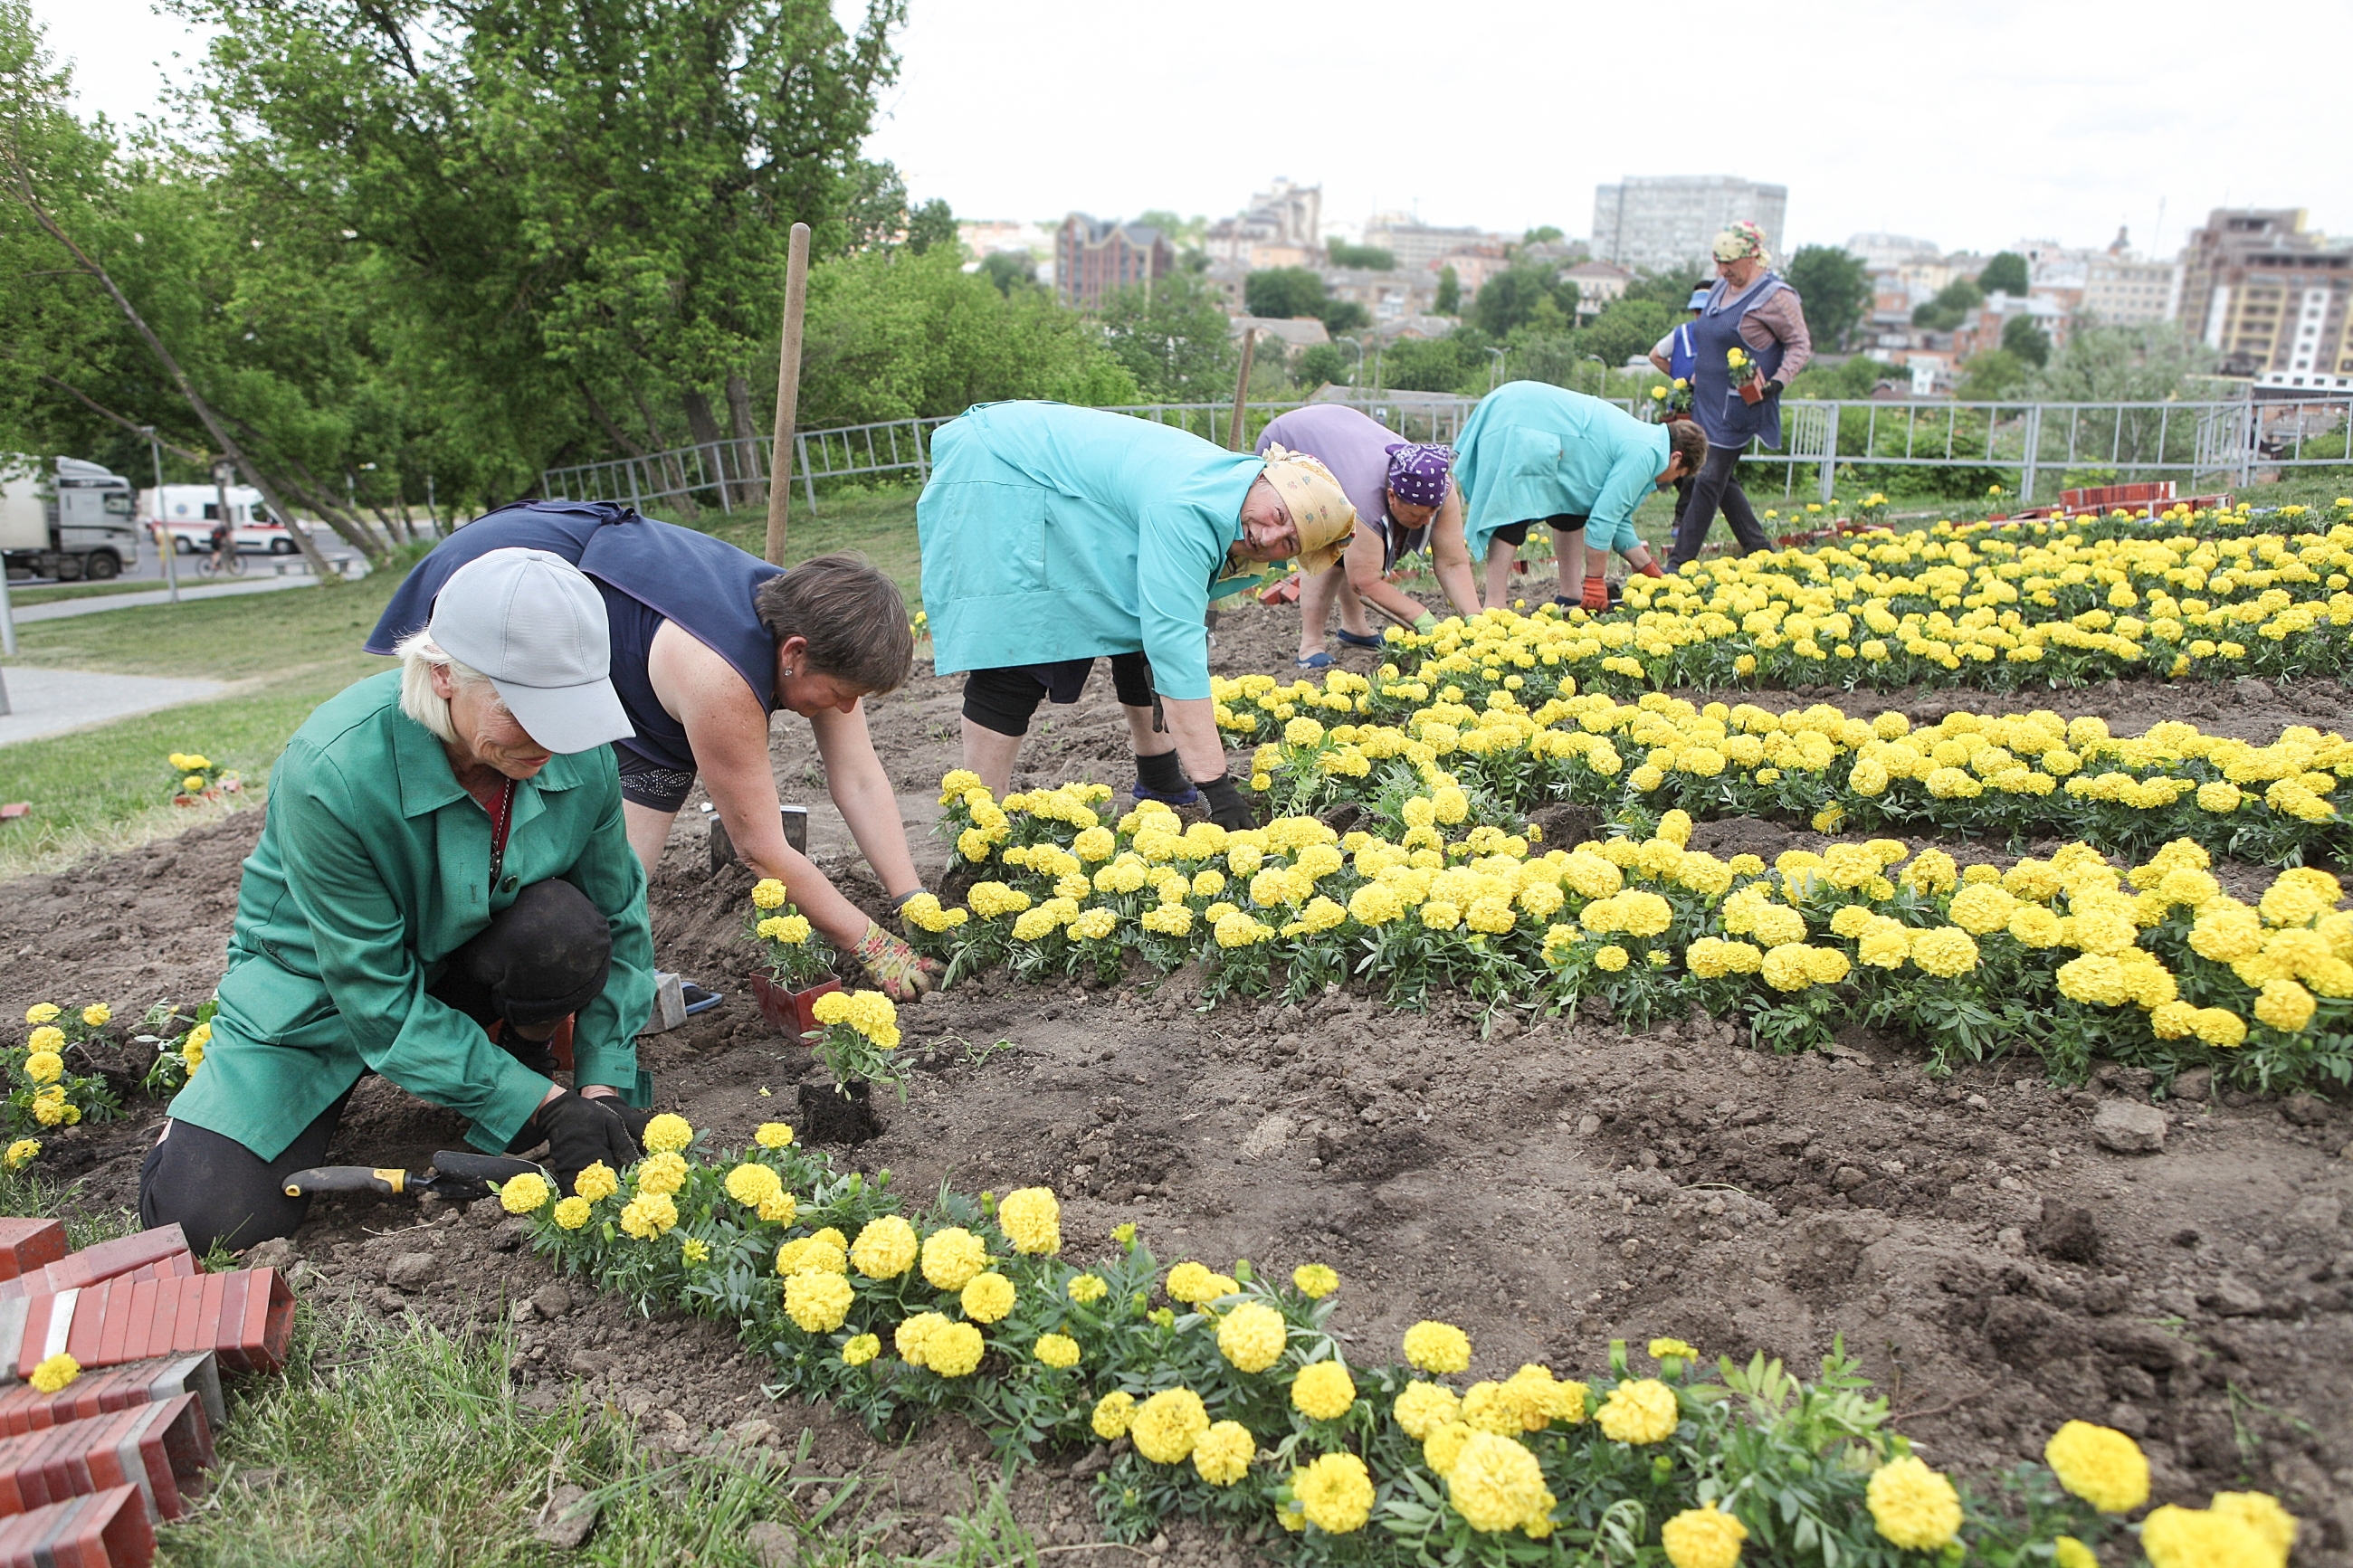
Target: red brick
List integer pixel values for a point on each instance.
(88, 1329)
(160, 1247)
(28, 1245)
(24, 1408)
(227, 1337)
(106, 1529)
(160, 1448)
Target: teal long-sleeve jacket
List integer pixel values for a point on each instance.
(1051, 532)
(373, 867)
(1533, 450)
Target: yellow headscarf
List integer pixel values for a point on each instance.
(1319, 509)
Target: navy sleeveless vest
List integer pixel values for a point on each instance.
(647, 572)
(1729, 421)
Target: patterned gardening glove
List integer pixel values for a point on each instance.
(902, 974)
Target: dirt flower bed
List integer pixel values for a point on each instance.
(2001, 1252)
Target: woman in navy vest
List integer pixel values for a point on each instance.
(707, 643)
(1751, 309)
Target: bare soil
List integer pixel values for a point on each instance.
(1548, 1185)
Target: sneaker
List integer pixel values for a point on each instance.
(1188, 796)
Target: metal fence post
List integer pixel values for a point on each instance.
(1830, 454)
(2032, 454)
(808, 481)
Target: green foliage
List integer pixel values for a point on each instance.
(1670, 288)
(2022, 337)
(1625, 330)
(1541, 235)
(1451, 363)
(1321, 363)
(2145, 364)
(2005, 274)
(1532, 297)
(1834, 288)
(1172, 337)
(1993, 375)
(1370, 258)
(895, 334)
(1010, 269)
(1952, 303)
(1449, 300)
(1185, 233)
(1284, 293)
(1844, 380)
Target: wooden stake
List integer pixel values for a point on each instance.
(788, 394)
(1235, 431)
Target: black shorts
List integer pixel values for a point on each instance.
(647, 782)
(1516, 533)
(1004, 700)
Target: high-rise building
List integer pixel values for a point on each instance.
(2122, 289)
(1668, 223)
(1093, 257)
(1419, 246)
(1281, 227)
(2270, 296)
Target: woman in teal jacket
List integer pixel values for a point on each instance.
(1053, 536)
(1533, 452)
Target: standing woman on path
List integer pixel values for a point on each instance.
(708, 643)
(1752, 313)
(1406, 500)
(1533, 452)
(1053, 536)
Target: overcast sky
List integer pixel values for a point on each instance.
(1970, 126)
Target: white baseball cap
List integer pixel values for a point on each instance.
(536, 624)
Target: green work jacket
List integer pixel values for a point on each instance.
(1531, 451)
(373, 867)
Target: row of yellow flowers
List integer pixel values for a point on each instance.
(2015, 776)
(1238, 1403)
(2068, 956)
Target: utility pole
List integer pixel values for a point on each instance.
(788, 394)
(1240, 424)
(165, 545)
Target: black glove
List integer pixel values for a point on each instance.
(580, 1132)
(631, 1116)
(1229, 808)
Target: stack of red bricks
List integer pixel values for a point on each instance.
(86, 1472)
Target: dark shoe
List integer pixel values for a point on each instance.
(1319, 660)
(1189, 796)
(1372, 639)
(698, 999)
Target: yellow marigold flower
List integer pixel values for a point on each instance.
(666, 1134)
(1314, 1280)
(571, 1213)
(954, 1349)
(1704, 1537)
(1947, 952)
(987, 1297)
(1086, 1288)
(1437, 1347)
(524, 1193)
(56, 1373)
(1221, 1456)
(1112, 1413)
(821, 1253)
(1167, 1426)
(752, 1184)
(97, 1015)
(49, 1038)
(1913, 1506)
(648, 1215)
(1058, 1351)
(1611, 958)
(1444, 1445)
(1195, 1285)
(2175, 1537)
(2260, 1512)
(952, 1257)
(42, 1013)
(767, 893)
(1032, 1221)
(694, 1250)
(2099, 1464)
(2284, 1005)
(1661, 1349)
(1253, 1336)
(885, 1248)
(1334, 1493)
(1486, 1407)
(1324, 1392)
(1424, 1408)
(1640, 1410)
(21, 1153)
(45, 1066)
(860, 1349)
(664, 1173)
(597, 1181)
(912, 1334)
(2221, 1026)
(1495, 1484)
(2066, 1552)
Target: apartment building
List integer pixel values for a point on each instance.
(1665, 223)
(1091, 257)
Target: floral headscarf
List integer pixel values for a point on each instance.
(1319, 509)
(1742, 238)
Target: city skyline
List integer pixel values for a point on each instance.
(2048, 122)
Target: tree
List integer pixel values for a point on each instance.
(1321, 363)
(1993, 375)
(1848, 379)
(1010, 269)
(2123, 364)
(1627, 330)
(1172, 337)
(1283, 292)
(1448, 302)
(2005, 274)
(2022, 337)
(1672, 288)
(1833, 286)
(1369, 258)
(1182, 232)
(1455, 363)
(1533, 296)
(1953, 302)
(1541, 235)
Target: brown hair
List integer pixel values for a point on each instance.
(1686, 440)
(851, 615)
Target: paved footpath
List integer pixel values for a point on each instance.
(60, 609)
(51, 701)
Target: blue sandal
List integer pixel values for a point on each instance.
(1370, 639)
(1319, 660)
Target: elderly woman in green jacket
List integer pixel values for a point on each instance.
(443, 884)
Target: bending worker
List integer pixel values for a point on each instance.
(1406, 500)
(1053, 536)
(1532, 452)
(442, 879)
(708, 642)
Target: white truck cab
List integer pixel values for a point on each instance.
(79, 522)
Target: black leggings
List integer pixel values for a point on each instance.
(1004, 700)
(1716, 486)
(549, 949)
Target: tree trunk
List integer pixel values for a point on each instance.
(705, 425)
(673, 480)
(746, 449)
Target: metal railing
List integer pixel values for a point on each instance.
(2228, 440)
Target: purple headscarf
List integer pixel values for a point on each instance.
(1418, 473)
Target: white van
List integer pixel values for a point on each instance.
(185, 514)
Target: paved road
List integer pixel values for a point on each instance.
(59, 609)
(51, 701)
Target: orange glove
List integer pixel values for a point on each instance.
(1597, 594)
(902, 974)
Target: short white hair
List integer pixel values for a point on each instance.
(419, 656)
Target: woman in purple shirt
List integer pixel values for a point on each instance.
(1404, 496)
